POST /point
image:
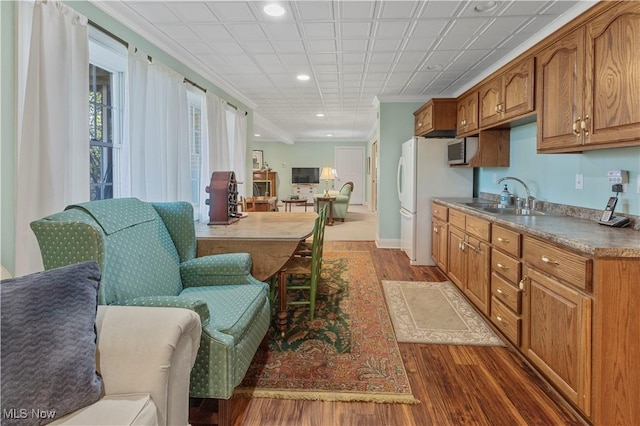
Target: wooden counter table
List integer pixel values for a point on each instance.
(270, 237)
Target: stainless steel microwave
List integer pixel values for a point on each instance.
(460, 151)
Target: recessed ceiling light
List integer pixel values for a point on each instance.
(303, 77)
(329, 135)
(257, 135)
(485, 6)
(319, 114)
(273, 10)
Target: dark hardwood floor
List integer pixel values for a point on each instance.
(457, 385)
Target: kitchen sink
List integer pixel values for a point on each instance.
(493, 208)
(512, 211)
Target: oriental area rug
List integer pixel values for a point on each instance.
(348, 352)
(435, 312)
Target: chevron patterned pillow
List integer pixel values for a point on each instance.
(49, 344)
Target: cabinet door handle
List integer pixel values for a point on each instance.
(575, 127)
(497, 109)
(501, 266)
(435, 229)
(583, 125)
(472, 247)
(522, 283)
(501, 292)
(545, 259)
(499, 318)
(503, 240)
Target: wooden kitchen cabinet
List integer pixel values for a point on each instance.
(467, 114)
(439, 237)
(436, 118)
(508, 95)
(587, 84)
(469, 255)
(557, 317)
(557, 335)
(506, 296)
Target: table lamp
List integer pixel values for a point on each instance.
(326, 174)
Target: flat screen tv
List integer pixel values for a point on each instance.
(305, 175)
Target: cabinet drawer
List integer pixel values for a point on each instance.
(478, 227)
(506, 240)
(456, 218)
(562, 264)
(506, 266)
(439, 211)
(506, 321)
(506, 292)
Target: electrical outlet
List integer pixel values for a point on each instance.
(495, 178)
(638, 184)
(579, 181)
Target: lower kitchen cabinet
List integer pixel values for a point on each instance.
(439, 243)
(557, 334)
(572, 315)
(469, 256)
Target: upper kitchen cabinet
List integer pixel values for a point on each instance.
(588, 83)
(468, 114)
(509, 95)
(436, 118)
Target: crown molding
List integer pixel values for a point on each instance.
(259, 122)
(123, 14)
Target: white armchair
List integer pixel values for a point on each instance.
(145, 356)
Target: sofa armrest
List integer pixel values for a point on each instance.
(218, 269)
(149, 350)
(198, 306)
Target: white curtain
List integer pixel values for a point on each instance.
(219, 153)
(53, 150)
(239, 148)
(156, 158)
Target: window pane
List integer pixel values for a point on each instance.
(101, 134)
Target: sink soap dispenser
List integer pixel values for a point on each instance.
(505, 197)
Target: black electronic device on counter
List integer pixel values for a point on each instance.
(609, 219)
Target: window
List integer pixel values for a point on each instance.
(108, 62)
(195, 143)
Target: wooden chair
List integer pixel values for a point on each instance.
(308, 266)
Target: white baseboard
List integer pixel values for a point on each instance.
(387, 243)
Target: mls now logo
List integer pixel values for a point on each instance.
(23, 413)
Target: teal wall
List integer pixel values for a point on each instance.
(7, 133)
(396, 127)
(551, 177)
(282, 157)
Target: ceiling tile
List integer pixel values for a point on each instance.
(215, 32)
(356, 10)
(155, 12)
(355, 29)
(319, 30)
(232, 11)
(391, 28)
(314, 10)
(192, 11)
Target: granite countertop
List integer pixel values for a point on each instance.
(586, 236)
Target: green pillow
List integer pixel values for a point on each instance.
(48, 353)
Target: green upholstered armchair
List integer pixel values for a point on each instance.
(147, 256)
(341, 203)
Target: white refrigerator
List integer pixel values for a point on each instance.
(423, 173)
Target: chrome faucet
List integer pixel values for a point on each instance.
(529, 199)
